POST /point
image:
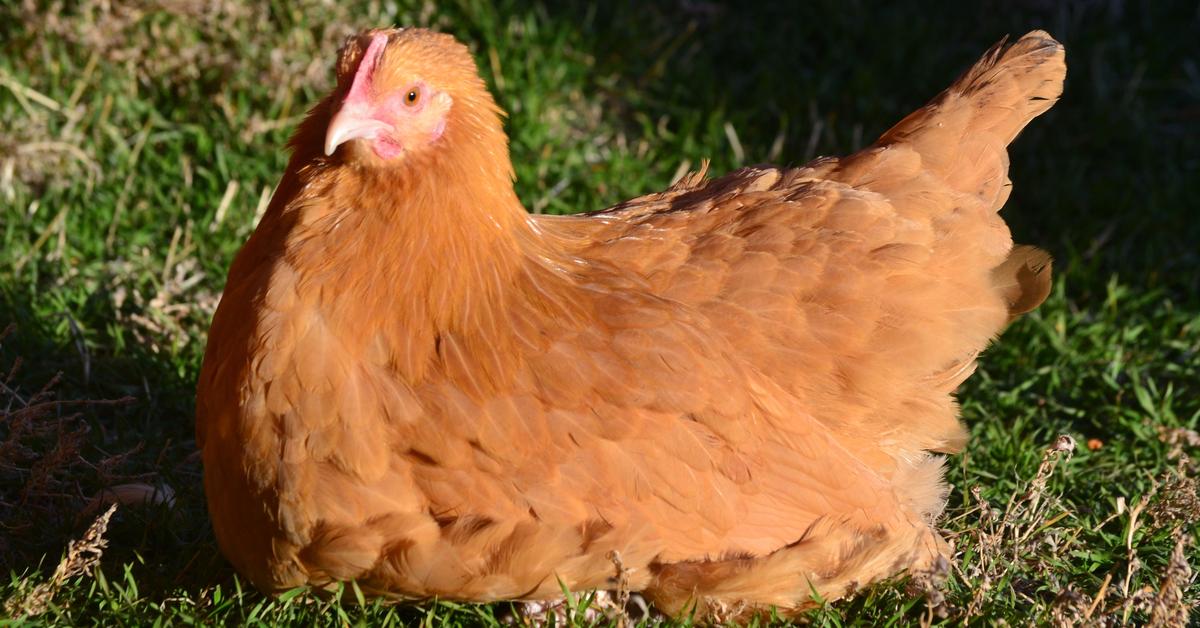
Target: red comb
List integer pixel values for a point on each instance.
(360, 88)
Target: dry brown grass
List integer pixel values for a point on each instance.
(1025, 537)
(189, 47)
(1019, 536)
(182, 42)
(81, 557)
(45, 464)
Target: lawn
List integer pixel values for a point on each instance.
(141, 139)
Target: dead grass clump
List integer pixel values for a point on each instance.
(181, 304)
(32, 155)
(1177, 502)
(1169, 607)
(43, 462)
(81, 557)
(41, 141)
(195, 50)
(1016, 548)
(1021, 536)
(1178, 438)
(1069, 606)
(180, 42)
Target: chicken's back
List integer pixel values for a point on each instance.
(864, 286)
(862, 290)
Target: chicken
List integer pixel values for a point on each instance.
(730, 394)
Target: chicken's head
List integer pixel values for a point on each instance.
(399, 91)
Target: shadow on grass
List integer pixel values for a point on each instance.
(106, 419)
(1106, 180)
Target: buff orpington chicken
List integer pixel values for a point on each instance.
(728, 396)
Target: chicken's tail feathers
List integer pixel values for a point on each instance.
(1023, 279)
(964, 132)
(1009, 86)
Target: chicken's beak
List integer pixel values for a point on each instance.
(349, 124)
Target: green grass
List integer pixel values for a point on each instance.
(136, 146)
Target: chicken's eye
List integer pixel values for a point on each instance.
(412, 96)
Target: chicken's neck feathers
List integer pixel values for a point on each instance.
(418, 255)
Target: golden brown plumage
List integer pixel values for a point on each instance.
(739, 385)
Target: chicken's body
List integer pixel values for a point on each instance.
(737, 386)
